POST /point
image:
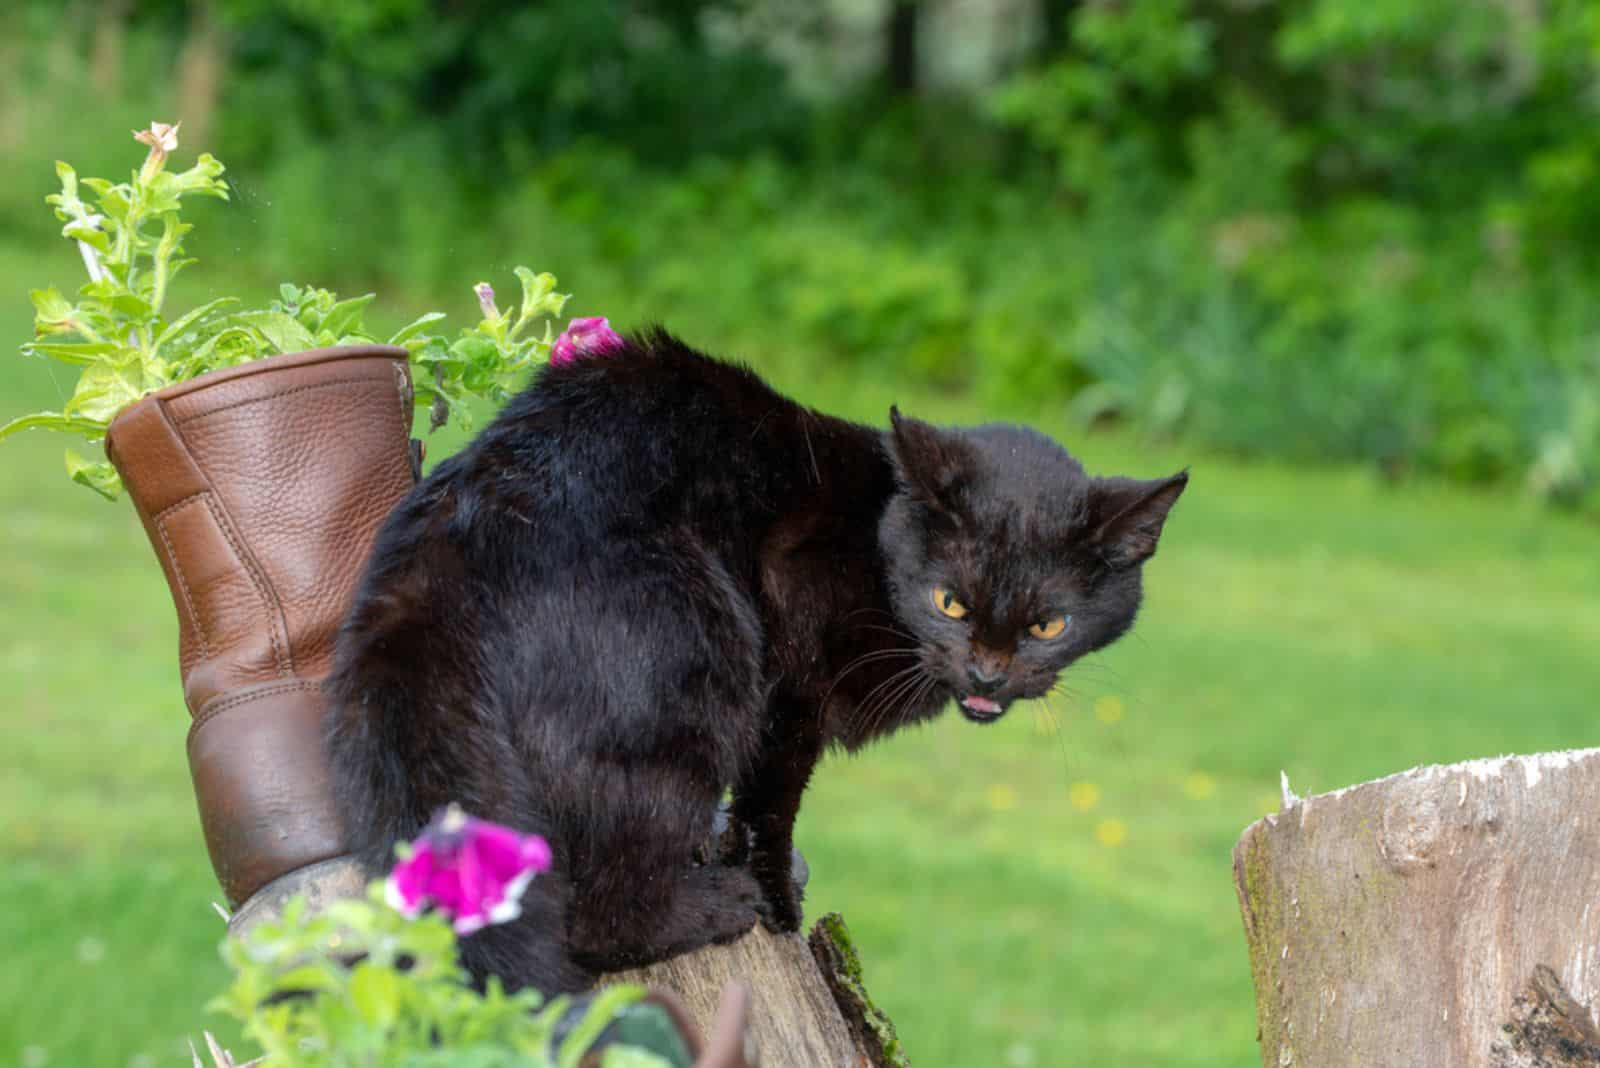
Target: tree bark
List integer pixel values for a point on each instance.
(809, 1007)
(202, 71)
(900, 47)
(1055, 27)
(1443, 916)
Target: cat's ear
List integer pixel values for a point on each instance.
(933, 466)
(1128, 515)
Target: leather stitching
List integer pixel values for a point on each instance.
(179, 504)
(263, 589)
(402, 384)
(216, 707)
(402, 389)
(183, 583)
(368, 380)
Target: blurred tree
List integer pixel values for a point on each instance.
(110, 29)
(1055, 30)
(506, 76)
(900, 46)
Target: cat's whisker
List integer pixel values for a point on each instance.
(869, 610)
(1073, 698)
(904, 697)
(1061, 743)
(888, 706)
(868, 713)
(866, 658)
(866, 702)
(888, 630)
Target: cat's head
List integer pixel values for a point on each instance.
(1006, 561)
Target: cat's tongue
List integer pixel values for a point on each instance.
(980, 704)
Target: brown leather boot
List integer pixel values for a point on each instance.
(262, 488)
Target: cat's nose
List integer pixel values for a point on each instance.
(986, 678)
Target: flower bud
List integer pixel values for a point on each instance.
(486, 300)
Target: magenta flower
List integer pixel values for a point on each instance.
(471, 870)
(585, 337)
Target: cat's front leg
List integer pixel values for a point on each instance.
(766, 803)
(733, 841)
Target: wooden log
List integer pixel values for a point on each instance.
(805, 1004)
(1443, 916)
(808, 1009)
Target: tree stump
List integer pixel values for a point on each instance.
(809, 1008)
(1443, 916)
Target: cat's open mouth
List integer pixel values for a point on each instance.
(981, 709)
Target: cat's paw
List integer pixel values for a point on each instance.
(733, 845)
(728, 901)
(780, 905)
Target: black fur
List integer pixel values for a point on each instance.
(653, 578)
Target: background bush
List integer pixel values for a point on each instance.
(1314, 228)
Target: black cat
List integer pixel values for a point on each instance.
(652, 578)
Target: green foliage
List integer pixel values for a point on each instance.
(505, 81)
(486, 360)
(1314, 229)
(361, 986)
(1340, 229)
(118, 330)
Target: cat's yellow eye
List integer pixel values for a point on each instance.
(1049, 628)
(946, 602)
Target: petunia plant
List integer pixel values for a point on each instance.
(119, 329)
(375, 982)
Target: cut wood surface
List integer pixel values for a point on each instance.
(796, 1019)
(1443, 916)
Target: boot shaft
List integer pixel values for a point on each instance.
(261, 488)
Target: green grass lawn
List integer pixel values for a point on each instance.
(1053, 890)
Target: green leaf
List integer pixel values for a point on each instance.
(606, 1004)
(281, 331)
(113, 198)
(88, 233)
(538, 293)
(307, 978)
(72, 424)
(100, 477)
(345, 316)
(87, 353)
(131, 306)
(49, 306)
(184, 322)
(230, 346)
(375, 993)
(632, 1057)
(412, 329)
(166, 188)
(66, 202)
(104, 390)
(476, 350)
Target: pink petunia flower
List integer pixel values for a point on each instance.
(472, 870)
(592, 336)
